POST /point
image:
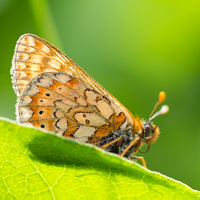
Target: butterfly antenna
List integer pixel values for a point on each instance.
(164, 109)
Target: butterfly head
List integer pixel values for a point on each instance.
(150, 131)
(150, 134)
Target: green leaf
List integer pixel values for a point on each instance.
(41, 165)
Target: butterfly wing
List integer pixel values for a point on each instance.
(56, 94)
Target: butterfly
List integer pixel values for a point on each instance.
(55, 94)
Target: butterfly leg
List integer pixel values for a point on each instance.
(108, 144)
(140, 158)
(132, 144)
(134, 157)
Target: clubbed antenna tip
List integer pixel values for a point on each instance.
(164, 109)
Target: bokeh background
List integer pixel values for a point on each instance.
(134, 49)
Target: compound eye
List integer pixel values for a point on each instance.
(147, 131)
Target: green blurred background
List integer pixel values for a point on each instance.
(134, 49)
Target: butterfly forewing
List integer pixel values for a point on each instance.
(34, 56)
(56, 94)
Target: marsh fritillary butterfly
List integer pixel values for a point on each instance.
(57, 95)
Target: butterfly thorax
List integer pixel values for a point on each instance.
(141, 131)
(127, 134)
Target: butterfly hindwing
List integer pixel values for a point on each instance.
(61, 103)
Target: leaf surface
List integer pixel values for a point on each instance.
(40, 165)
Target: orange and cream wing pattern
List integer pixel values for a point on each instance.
(34, 56)
(56, 94)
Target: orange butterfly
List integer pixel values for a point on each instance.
(57, 95)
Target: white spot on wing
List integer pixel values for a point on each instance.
(25, 114)
(21, 74)
(93, 119)
(34, 67)
(83, 133)
(103, 106)
(22, 48)
(27, 40)
(62, 106)
(55, 64)
(62, 78)
(36, 58)
(45, 49)
(25, 101)
(20, 65)
(62, 124)
(21, 56)
(43, 81)
(59, 114)
(32, 90)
